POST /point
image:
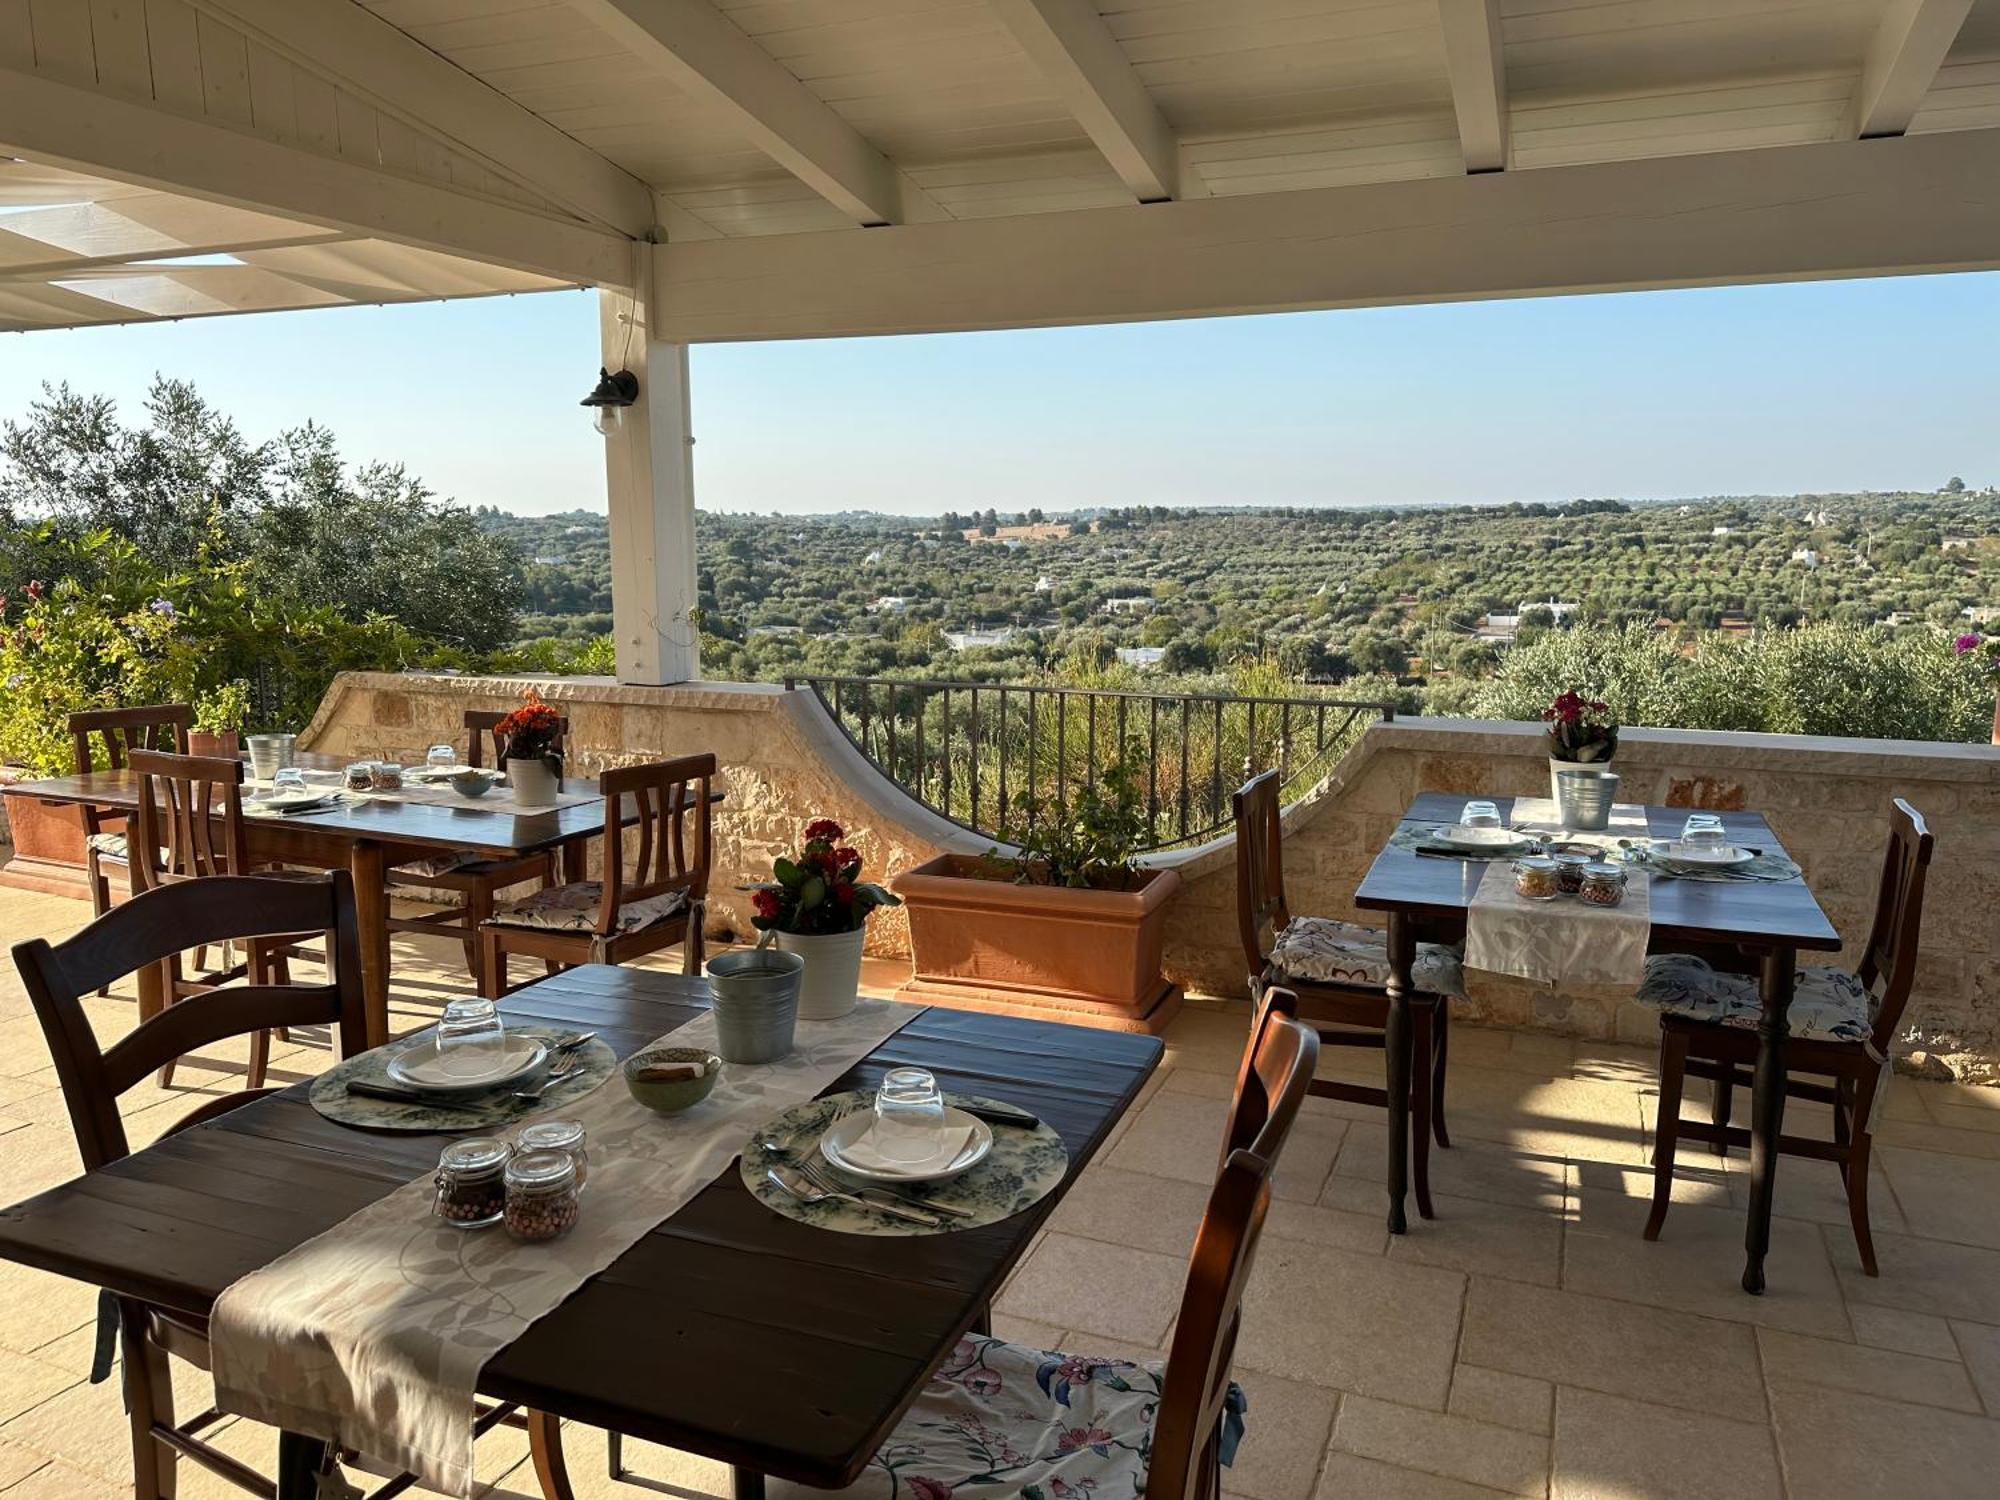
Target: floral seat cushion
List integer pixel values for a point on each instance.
(1827, 1004)
(1335, 952)
(574, 907)
(111, 844)
(451, 862)
(1001, 1419)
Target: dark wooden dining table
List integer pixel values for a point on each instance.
(728, 1331)
(1753, 927)
(366, 838)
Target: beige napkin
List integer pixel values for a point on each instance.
(866, 1151)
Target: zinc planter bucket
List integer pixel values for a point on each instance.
(832, 980)
(534, 782)
(1557, 767)
(756, 1003)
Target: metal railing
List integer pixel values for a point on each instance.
(994, 757)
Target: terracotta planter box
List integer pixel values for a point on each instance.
(48, 847)
(1085, 956)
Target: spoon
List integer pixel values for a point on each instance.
(536, 1091)
(789, 1180)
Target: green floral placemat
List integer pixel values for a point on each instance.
(1023, 1168)
(1770, 868)
(491, 1111)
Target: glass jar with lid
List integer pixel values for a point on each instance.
(1603, 883)
(471, 1182)
(1535, 877)
(1570, 865)
(541, 1195)
(558, 1135)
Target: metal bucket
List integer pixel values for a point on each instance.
(270, 754)
(756, 1003)
(1585, 798)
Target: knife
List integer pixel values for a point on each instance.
(1001, 1114)
(389, 1091)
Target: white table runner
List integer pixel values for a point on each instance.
(1567, 939)
(500, 798)
(372, 1335)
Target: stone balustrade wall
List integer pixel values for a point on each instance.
(784, 762)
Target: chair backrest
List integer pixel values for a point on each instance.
(164, 921)
(1890, 959)
(1196, 1388)
(162, 726)
(668, 795)
(1259, 1098)
(190, 822)
(482, 726)
(1260, 866)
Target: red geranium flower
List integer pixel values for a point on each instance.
(845, 857)
(843, 892)
(824, 831)
(766, 903)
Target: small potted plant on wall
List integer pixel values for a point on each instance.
(1582, 732)
(219, 715)
(530, 733)
(1070, 925)
(817, 905)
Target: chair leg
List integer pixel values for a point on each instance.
(1667, 1127)
(1857, 1179)
(1720, 1099)
(745, 1484)
(478, 907)
(492, 971)
(1442, 1049)
(100, 897)
(260, 965)
(149, 1401)
(170, 990)
(546, 1450)
(1423, 1018)
(1843, 1108)
(693, 948)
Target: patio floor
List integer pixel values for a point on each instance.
(1526, 1342)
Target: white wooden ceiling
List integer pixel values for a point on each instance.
(459, 147)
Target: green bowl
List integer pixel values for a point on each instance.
(672, 1098)
(472, 782)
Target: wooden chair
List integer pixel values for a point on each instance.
(1843, 1027)
(144, 930)
(1339, 971)
(163, 726)
(476, 878)
(622, 917)
(190, 827)
(1164, 1429)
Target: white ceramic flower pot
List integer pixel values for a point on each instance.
(533, 781)
(832, 979)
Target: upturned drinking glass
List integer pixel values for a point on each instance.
(470, 1029)
(441, 755)
(909, 1113)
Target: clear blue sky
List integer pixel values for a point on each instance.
(1832, 386)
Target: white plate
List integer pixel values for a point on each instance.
(457, 1072)
(1483, 838)
(854, 1126)
(287, 801)
(1702, 856)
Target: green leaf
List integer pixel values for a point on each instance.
(811, 893)
(788, 873)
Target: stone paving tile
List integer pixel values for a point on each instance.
(1132, 1208)
(1609, 1448)
(1501, 1458)
(1364, 1231)
(1468, 1234)
(1697, 1263)
(1980, 1346)
(1349, 1477)
(1837, 1445)
(1620, 1348)
(1873, 1372)
(1124, 1294)
(1946, 1197)
(1499, 1398)
(1695, 1181)
(1815, 1190)
(1285, 1437)
(1180, 1135)
(1355, 1322)
(1029, 1331)
(61, 1481)
(37, 1308)
(1904, 1332)
(1471, 1169)
(1918, 1275)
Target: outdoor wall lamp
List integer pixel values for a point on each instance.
(610, 396)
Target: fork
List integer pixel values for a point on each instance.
(819, 1178)
(790, 1180)
(536, 1091)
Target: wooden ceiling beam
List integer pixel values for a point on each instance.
(1089, 72)
(706, 56)
(1903, 61)
(1478, 71)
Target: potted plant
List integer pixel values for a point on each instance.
(1070, 923)
(817, 906)
(1582, 732)
(1975, 644)
(530, 733)
(219, 714)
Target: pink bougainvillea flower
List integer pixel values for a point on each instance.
(1962, 645)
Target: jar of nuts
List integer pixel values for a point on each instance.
(1570, 866)
(558, 1135)
(471, 1185)
(1535, 877)
(1603, 884)
(541, 1195)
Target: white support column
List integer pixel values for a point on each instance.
(649, 472)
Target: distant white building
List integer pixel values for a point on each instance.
(777, 630)
(1141, 657)
(1045, 584)
(972, 640)
(1981, 614)
(1126, 604)
(892, 604)
(872, 559)
(1805, 555)
(1722, 531)
(1499, 628)
(1819, 518)
(550, 559)
(1560, 612)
